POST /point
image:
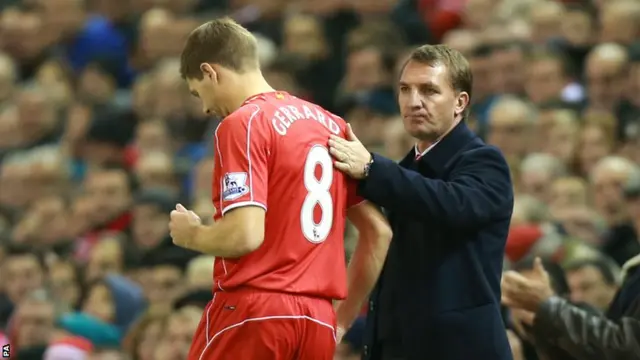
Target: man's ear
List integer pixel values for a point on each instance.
(461, 102)
(209, 72)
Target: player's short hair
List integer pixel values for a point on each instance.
(457, 65)
(221, 41)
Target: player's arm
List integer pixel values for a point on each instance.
(374, 236)
(243, 154)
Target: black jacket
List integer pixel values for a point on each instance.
(589, 336)
(438, 296)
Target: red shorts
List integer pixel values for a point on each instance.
(259, 325)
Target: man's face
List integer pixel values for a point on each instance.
(428, 103)
(178, 336)
(365, 70)
(22, 274)
(35, 321)
(537, 184)
(608, 194)
(106, 257)
(509, 131)
(508, 70)
(562, 142)
(150, 226)
(165, 284)
(155, 170)
(110, 193)
(605, 82)
(210, 94)
(483, 82)
(566, 194)
(99, 303)
(593, 147)
(64, 283)
(545, 80)
(303, 36)
(587, 285)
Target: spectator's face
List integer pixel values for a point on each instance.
(567, 194)
(35, 323)
(52, 78)
(605, 82)
(99, 303)
(36, 115)
(508, 71)
(545, 80)
(166, 284)
(587, 285)
(106, 257)
(150, 226)
(562, 142)
(177, 337)
(21, 274)
(96, 86)
(428, 101)
(303, 36)
(365, 70)
(150, 338)
(594, 145)
(171, 99)
(155, 170)
(618, 27)
(62, 17)
(537, 184)
(51, 215)
(152, 136)
(110, 193)
(64, 283)
(577, 28)
(546, 23)
(367, 125)
(483, 81)
(509, 131)
(14, 179)
(23, 34)
(608, 195)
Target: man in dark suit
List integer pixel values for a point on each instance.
(449, 202)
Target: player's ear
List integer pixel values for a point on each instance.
(208, 71)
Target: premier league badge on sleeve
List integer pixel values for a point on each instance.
(234, 186)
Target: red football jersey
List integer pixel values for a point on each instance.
(273, 153)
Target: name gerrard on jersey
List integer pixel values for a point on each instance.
(286, 115)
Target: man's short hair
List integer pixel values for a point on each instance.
(457, 65)
(604, 266)
(221, 41)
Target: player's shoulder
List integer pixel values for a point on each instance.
(244, 114)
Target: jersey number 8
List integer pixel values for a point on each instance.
(318, 193)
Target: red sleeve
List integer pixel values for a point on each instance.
(352, 197)
(243, 150)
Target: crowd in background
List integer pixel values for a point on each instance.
(99, 139)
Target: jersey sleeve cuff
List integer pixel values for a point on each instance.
(242, 204)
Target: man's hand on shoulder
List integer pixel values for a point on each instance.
(183, 226)
(352, 158)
